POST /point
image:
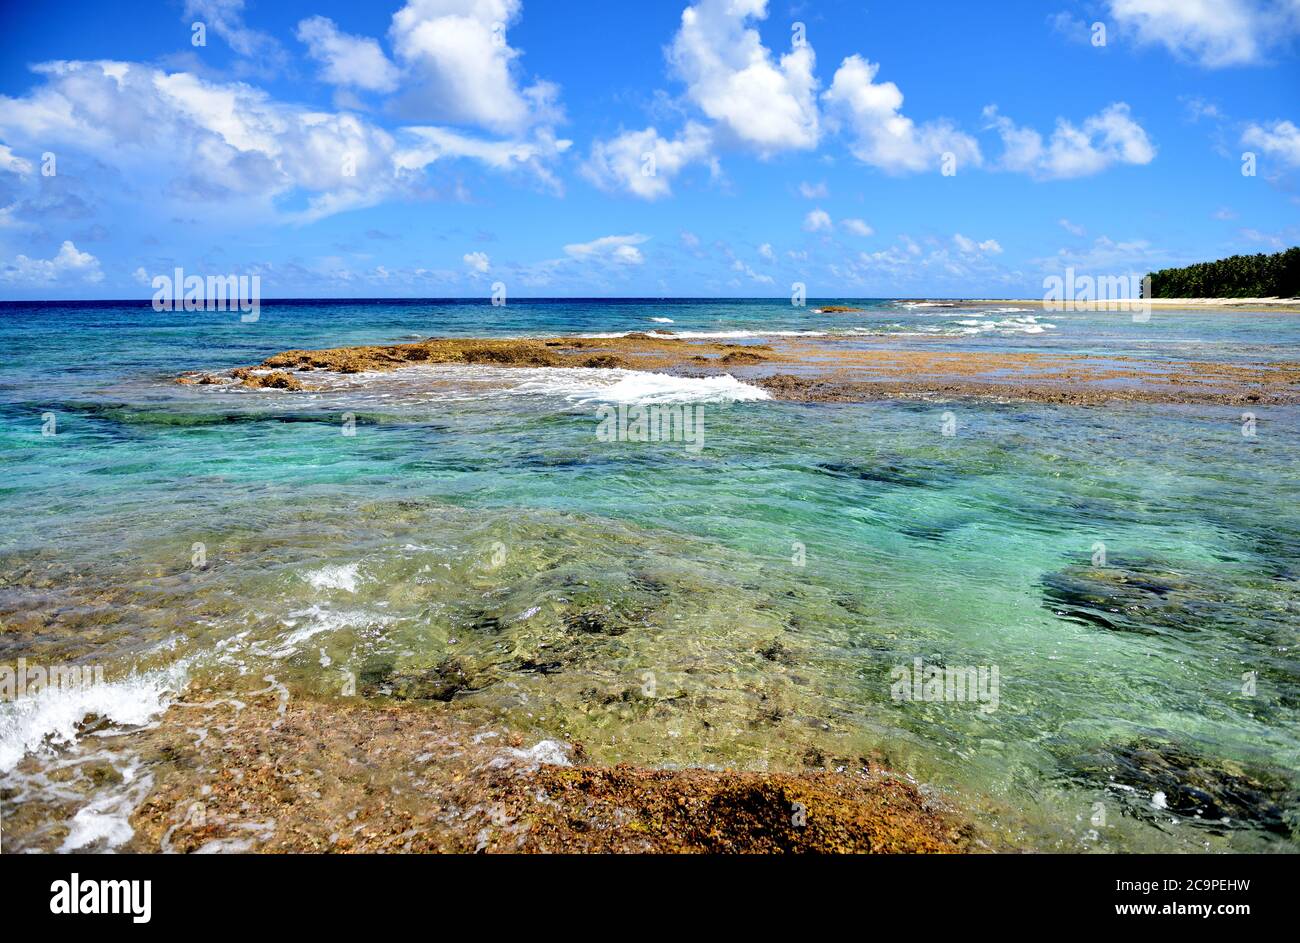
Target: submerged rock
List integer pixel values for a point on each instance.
(594, 622)
(443, 682)
(885, 474)
(356, 778)
(1155, 778)
(774, 651)
(1123, 597)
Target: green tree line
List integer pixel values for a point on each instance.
(1238, 276)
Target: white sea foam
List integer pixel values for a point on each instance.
(1029, 324)
(306, 624)
(53, 715)
(544, 752)
(104, 823)
(334, 577)
(705, 335)
(663, 320)
(585, 385)
(459, 382)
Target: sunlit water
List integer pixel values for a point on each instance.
(460, 537)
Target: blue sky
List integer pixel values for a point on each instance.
(434, 147)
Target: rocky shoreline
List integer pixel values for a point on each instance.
(272, 775)
(822, 369)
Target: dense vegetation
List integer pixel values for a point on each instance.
(1238, 276)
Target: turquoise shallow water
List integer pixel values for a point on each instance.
(467, 541)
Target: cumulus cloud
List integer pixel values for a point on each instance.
(818, 220)
(460, 68)
(1280, 140)
(230, 143)
(477, 262)
(766, 104)
(970, 246)
(347, 60)
(214, 141)
(1073, 229)
(857, 227)
(883, 136)
(1212, 33)
(621, 249)
(644, 163)
(814, 191)
(68, 264)
(1107, 138)
(766, 252)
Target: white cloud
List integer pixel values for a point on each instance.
(460, 68)
(1070, 26)
(814, 191)
(1073, 229)
(907, 263)
(67, 264)
(749, 272)
(622, 249)
(13, 163)
(1213, 33)
(765, 251)
(203, 141)
(817, 221)
(766, 104)
(477, 262)
(1282, 140)
(434, 144)
(643, 163)
(1107, 138)
(226, 19)
(1198, 108)
(1106, 255)
(347, 60)
(858, 227)
(970, 246)
(883, 136)
(232, 144)
(1265, 238)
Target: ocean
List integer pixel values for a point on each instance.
(770, 589)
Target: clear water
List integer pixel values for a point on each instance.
(475, 545)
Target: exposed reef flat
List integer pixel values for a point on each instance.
(818, 369)
(301, 776)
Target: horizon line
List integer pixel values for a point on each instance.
(488, 299)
